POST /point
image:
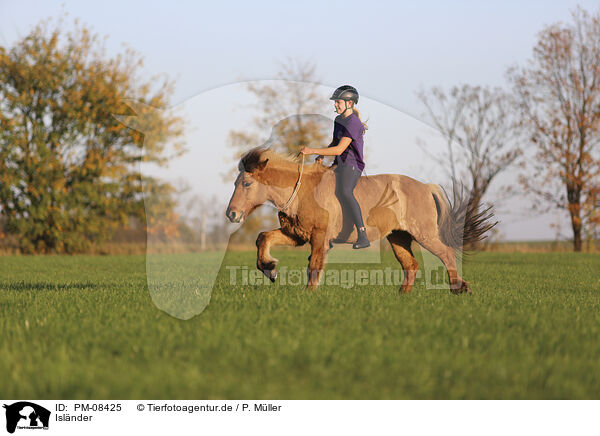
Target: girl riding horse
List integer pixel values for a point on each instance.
(347, 147)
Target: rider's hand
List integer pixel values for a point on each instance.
(306, 150)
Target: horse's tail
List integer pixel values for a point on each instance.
(460, 224)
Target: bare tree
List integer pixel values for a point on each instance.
(477, 124)
(559, 97)
(203, 216)
(282, 106)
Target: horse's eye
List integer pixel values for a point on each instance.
(246, 184)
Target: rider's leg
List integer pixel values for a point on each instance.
(348, 176)
(341, 194)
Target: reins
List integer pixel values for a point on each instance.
(296, 188)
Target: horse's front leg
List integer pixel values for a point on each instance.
(264, 261)
(319, 245)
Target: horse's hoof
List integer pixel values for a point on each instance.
(268, 269)
(464, 288)
(404, 290)
(270, 273)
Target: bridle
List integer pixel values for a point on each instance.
(296, 187)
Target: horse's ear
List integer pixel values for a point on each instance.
(261, 165)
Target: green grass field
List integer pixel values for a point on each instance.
(85, 327)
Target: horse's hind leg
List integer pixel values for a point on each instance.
(400, 242)
(446, 255)
(264, 261)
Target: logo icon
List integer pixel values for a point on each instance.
(26, 415)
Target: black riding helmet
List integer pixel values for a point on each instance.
(345, 92)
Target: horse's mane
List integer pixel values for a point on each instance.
(249, 161)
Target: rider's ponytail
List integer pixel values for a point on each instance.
(357, 113)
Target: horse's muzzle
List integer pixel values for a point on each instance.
(234, 216)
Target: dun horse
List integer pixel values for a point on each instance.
(396, 207)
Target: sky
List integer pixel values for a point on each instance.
(387, 50)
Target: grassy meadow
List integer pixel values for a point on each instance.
(85, 327)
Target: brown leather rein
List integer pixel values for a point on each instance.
(296, 187)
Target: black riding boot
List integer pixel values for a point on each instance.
(362, 241)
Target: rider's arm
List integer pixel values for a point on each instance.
(320, 156)
(334, 151)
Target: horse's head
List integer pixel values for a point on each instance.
(249, 193)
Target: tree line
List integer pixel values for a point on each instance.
(69, 170)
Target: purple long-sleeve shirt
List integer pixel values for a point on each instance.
(350, 127)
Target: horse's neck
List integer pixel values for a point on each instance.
(281, 188)
(283, 180)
